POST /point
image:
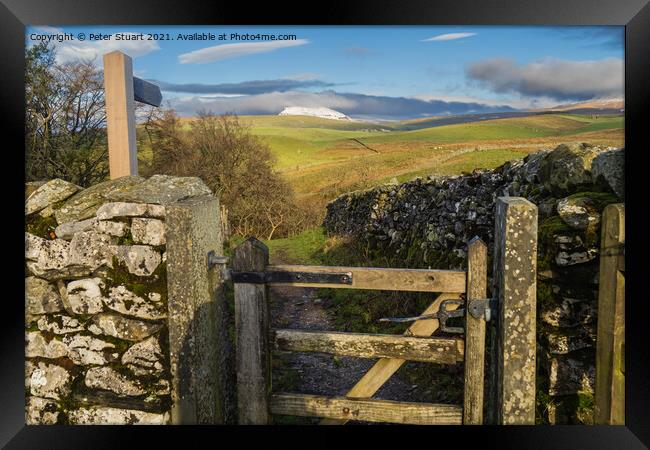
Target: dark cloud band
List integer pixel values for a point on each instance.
(553, 78)
(358, 105)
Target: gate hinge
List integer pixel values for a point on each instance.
(482, 308)
(216, 260)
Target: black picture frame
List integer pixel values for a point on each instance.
(633, 14)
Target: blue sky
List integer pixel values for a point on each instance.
(368, 71)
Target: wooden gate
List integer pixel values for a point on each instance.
(460, 292)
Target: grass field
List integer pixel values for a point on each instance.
(323, 158)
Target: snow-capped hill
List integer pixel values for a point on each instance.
(324, 113)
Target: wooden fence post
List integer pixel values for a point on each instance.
(475, 334)
(120, 115)
(252, 325)
(610, 343)
(515, 276)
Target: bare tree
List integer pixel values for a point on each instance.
(65, 134)
(234, 163)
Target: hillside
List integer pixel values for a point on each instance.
(323, 158)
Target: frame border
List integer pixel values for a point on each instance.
(634, 14)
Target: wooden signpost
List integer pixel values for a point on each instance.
(122, 89)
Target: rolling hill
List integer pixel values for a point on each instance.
(322, 158)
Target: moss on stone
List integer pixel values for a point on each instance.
(41, 226)
(127, 239)
(119, 275)
(601, 199)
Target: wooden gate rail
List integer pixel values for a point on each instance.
(363, 345)
(414, 280)
(385, 368)
(341, 408)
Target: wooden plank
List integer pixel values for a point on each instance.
(120, 115)
(145, 92)
(252, 327)
(418, 280)
(515, 288)
(366, 410)
(384, 368)
(610, 368)
(475, 334)
(434, 350)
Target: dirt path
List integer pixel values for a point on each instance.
(314, 373)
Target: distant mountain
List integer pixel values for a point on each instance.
(614, 104)
(325, 113)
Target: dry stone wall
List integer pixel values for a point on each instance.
(428, 222)
(96, 323)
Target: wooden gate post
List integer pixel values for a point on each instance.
(252, 325)
(610, 341)
(475, 334)
(515, 276)
(120, 115)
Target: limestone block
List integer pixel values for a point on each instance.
(140, 260)
(144, 358)
(50, 254)
(102, 415)
(84, 204)
(59, 324)
(40, 411)
(31, 186)
(148, 231)
(163, 189)
(108, 379)
(51, 192)
(579, 213)
(121, 327)
(121, 300)
(125, 209)
(41, 297)
(111, 228)
(568, 167)
(87, 350)
(90, 249)
(37, 346)
(608, 169)
(85, 296)
(68, 230)
(48, 380)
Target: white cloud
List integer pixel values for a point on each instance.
(226, 51)
(449, 37)
(69, 51)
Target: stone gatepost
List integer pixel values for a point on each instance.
(514, 340)
(125, 323)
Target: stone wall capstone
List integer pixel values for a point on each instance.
(96, 300)
(427, 222)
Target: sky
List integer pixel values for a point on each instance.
(380, 72)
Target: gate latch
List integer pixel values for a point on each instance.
(442, 315)
(482, 308)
